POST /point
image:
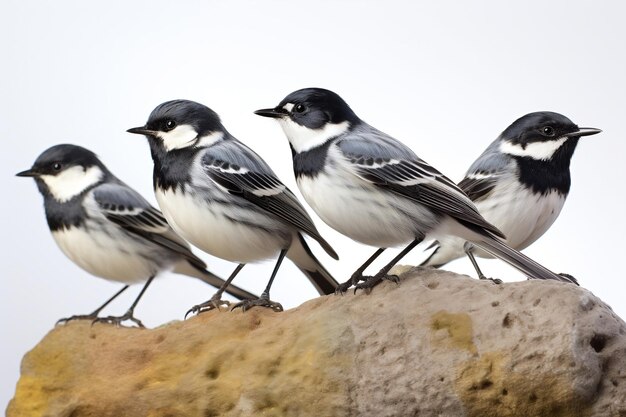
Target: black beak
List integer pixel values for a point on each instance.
(27, 173)
(142, 131)
(585, 131)
(275, 113)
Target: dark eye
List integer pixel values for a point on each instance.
(57, 166)
(547, 130)
(170, 124)
(299, 108)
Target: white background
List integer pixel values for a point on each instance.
(444, 77)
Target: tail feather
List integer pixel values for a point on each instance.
(301, 255)
(518, 260)
(192, 270)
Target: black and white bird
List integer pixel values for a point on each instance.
(374, 189)
(223, 198)
(519, 183)
(108, 229)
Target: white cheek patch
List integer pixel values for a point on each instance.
(303, 139)
(210, 139)
(179, 137)
(540, 151)
(71, 182)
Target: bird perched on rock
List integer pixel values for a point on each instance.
(223, 198)
(374, 189)
(108, 229)
(519, 183)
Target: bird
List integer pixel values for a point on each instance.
(519, 183)
(108, 229)
(374, 189)
(225, 199)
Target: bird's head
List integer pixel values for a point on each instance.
(180, 124)
(66, 171)
(543, 136)
(311, 116)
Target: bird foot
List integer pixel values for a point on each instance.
(569, 277)
(344, 286)
(494, 280)
(118, 320)
(212, 304)
(66, 320)
(370, 282)
(259, 302)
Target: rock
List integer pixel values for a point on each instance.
(438, 344)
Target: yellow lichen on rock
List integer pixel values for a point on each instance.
(218, 364)
(437, 344)
(489, 387)
(458, 327)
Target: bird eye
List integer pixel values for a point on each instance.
(56, 166)
(548, 131)
(299, 108)
(170, 124)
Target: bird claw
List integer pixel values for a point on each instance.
(344, 286)
(66, 320)
(259, 302)
(370, 282)
(569, 278)
(494, 280)
(118, 320)
(212, 304)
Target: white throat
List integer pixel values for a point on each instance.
(72, 181)
(303, 139)
(541, 151)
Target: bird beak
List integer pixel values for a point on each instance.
(28, 173)
(584, 131)
(143, 131)
(275, 113)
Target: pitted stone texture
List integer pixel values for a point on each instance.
(438, 344)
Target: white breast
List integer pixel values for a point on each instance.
(106, 250)
(112, 257)
(363, 212)
(520, 214)
(223, 230)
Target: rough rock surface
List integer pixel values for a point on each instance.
(438, 344)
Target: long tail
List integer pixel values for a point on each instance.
(192, 270)
(517, 260)
(301, 255)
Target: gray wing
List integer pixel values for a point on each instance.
(382, 160)
(128, 209)
(242, 172)
(483, 174)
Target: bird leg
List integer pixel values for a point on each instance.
(118, 320)
(264, 299)
(372, 281)
(94, 314)
(216, 301)
(358, 274)
(468, 247)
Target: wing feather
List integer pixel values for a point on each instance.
(250, 178)
(125, 207)
(402, 172)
